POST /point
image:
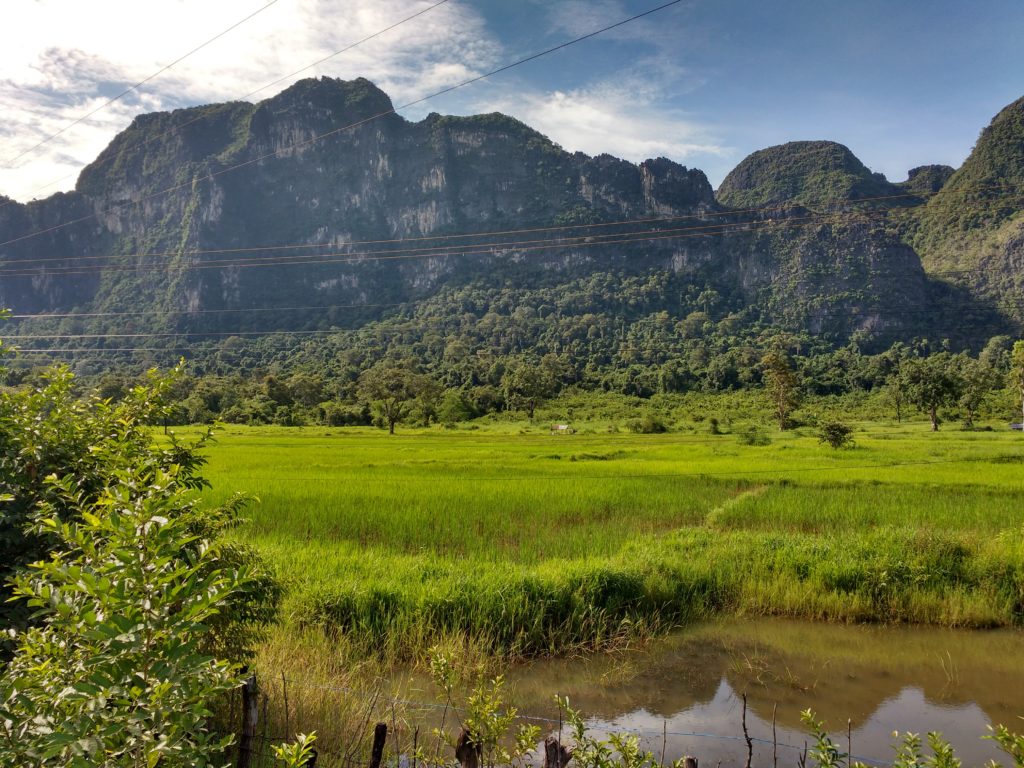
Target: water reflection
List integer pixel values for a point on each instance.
(877, 679)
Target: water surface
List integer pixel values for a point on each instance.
(871, 680)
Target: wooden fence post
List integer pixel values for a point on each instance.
(250, 714)
(467, 751)
(380, 735)
(555, 755)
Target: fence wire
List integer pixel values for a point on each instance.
(386, 706)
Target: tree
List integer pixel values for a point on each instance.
(895, 393)
(931, 383)
(996, 354)
(525, 383)
(977, 380)
(389, 390)
(427, 401)
(307, 389)
(1017, 372)
(781, 385)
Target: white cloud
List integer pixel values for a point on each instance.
(64, 58)
(626, 116)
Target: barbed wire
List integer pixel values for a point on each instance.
(591, 726)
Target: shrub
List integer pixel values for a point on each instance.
(125, 601)
(836, 434)
(140, 610)
(753, 435)
(648, 424)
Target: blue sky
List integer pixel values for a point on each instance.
(705, 82)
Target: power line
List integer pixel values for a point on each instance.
(55, 315)
(429, 238)
(344, 257)
(178, 128)
(335, 131)
(492, 249)
(129, 89)
(612, 347)
(839, 206)
(18, 268)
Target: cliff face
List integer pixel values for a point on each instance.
(323, 197)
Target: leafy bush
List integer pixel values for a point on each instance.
(753, 435)
(648, 424)
(136, 611)
(48, 430)
(836, 434)
(125, 601)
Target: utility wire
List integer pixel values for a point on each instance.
(512, 248)
(147, 313)
(344, 257)
(493, 248)
(24, 267)
(612, 348)
(126, 91)
(429, 238)
(335, 131)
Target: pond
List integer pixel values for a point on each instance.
(683, 694)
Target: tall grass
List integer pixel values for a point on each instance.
(529, 543)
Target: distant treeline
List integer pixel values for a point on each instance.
(370, 376)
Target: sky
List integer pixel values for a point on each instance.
(705, 82)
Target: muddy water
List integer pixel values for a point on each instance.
(873, 680)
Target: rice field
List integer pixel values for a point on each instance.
(531, 543)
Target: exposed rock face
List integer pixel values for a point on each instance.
(301, 200)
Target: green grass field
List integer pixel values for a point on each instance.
(533, 543)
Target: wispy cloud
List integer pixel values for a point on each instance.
(632, 110)
(64, 58)
(658, 32)
(622, 116)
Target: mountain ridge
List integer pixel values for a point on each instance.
(299, 177)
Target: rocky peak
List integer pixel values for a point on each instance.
(927, 179)
(348, 99)
(670, 186)
(809, 173)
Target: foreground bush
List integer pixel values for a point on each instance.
(115, 674)
(133, 605)
(50, 431)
